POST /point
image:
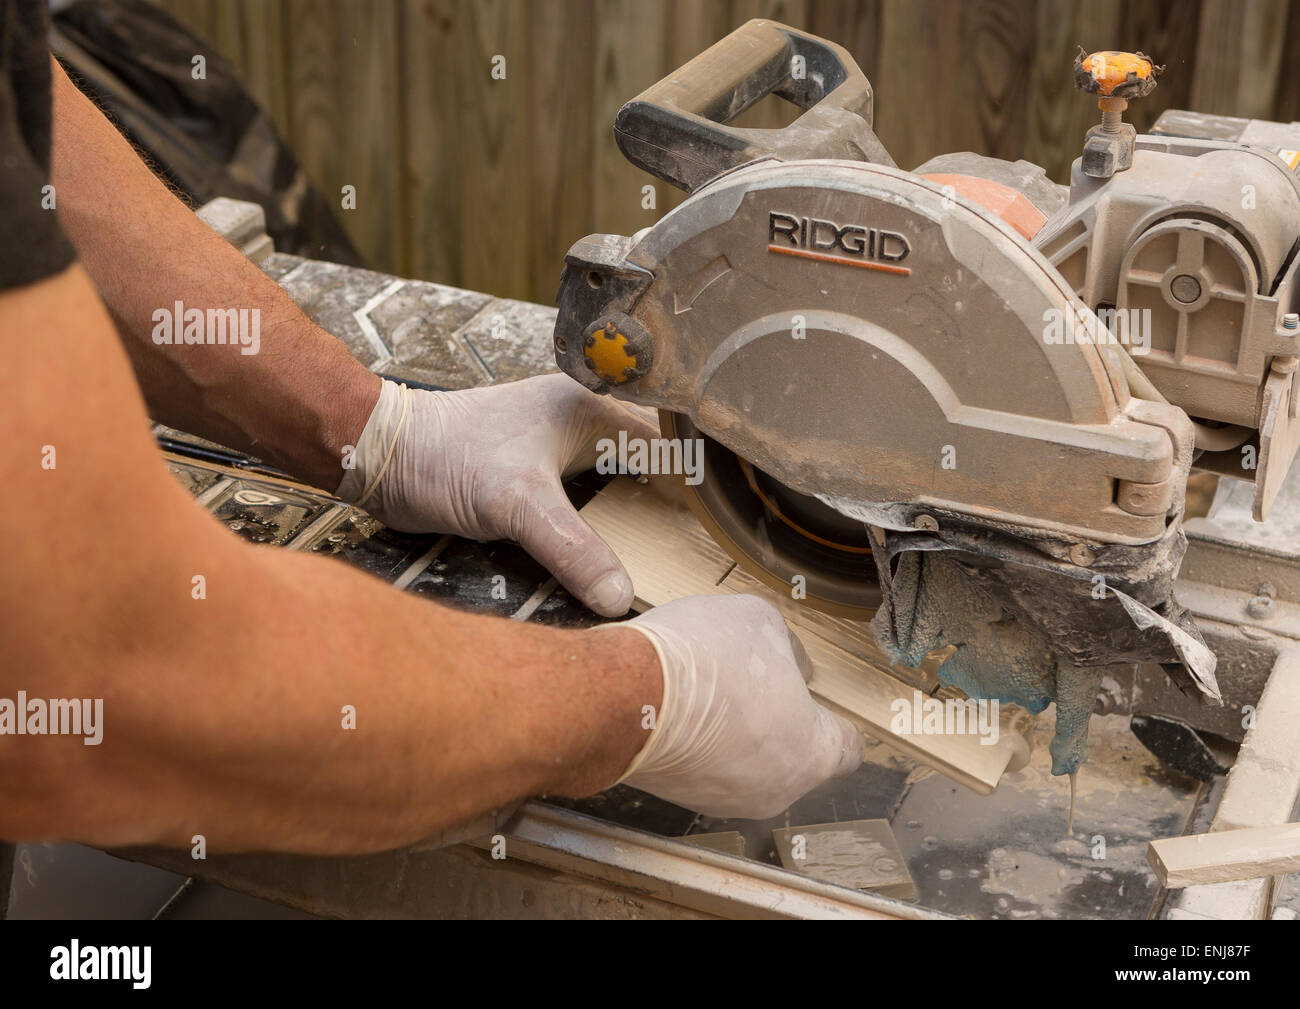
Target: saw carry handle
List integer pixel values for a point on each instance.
(677, 129)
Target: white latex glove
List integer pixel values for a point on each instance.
(487, 464)
(737, 733)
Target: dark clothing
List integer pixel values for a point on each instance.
(32, 245)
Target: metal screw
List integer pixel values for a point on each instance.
(1082, 555)
(926, 522)
(1291, 320)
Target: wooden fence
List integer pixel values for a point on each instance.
(484, 183)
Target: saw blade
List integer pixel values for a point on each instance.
(792, 542)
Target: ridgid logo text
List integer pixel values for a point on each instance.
(75, 962)
(234, 327)
(846, 244)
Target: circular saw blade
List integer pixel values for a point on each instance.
(793, 543)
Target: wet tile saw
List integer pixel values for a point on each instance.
(960, 401)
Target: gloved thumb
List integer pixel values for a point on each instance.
(845, 748)
(559, 540)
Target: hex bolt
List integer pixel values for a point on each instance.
(1260, 607)
(1110, 697)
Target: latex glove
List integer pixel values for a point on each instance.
(487, 464)
(737, 733)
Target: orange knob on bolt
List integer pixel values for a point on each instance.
(1114, 74)
(1114, 77)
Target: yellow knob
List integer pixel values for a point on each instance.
(1111, 74)
(607, 354)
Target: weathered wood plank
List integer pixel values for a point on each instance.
(854, 24)
(345, 117)
(1060, 113)
(629, 55)
(1239, 56)
(261, 55)
(1166, 30)
(1286, 100)
(954, 77)
(496, 162)
(431, 133)
(559, 139)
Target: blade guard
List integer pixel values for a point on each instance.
(860, 333)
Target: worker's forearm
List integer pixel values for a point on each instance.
(228, 673)
(303, 706)
(296, 402)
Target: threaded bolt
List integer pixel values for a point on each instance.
(1291, 320)
(1111, 120)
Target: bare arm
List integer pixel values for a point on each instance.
(303, 397)
(296, 403)
(223, 716)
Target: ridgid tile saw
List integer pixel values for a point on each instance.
(960, 401)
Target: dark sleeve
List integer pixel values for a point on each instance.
(33, 246)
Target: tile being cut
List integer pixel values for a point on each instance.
(668, 555)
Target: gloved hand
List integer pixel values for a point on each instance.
(487, 464)
(737, 733)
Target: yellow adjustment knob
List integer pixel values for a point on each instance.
(607, 353)
(1111, 74)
